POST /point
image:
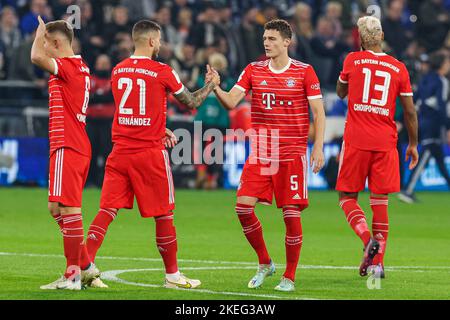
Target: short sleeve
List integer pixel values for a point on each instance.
(244, 82)
(348, 64)
(405, 83)
(312, 84)
(63, 68)
(171, 81)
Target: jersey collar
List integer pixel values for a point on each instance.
(281, 70)
(376, 53)
(140, 57)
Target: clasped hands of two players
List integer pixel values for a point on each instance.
(212, 75)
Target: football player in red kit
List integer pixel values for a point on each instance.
(282, 89)
(138, 165)
(70, 150)
(373, 80)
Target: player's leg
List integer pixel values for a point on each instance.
(255, 187)
(117, 193)
(53, 208)
(293, 246)
(356, 218)
(251, 226)
(151, 178)
(68, 171)
(354, 167)
(384, 178)
(166, 242)
(73, 236)
(352, 174)
(97, 230)
(291, 194)
(380, 228)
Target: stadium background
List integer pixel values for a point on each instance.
(228, 34)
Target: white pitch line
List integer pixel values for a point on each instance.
(390, 268)
(112, 276)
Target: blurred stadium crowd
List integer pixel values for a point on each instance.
(226, 34)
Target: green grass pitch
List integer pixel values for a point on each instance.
(213, 249)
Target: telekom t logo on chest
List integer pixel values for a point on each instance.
(268, 99)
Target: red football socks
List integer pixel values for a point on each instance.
(293, 240)
(58, 220)
(85, 259)
(166, 241)
(355, 218)
(253, 231)
(380, 225)
(73, 237)
(97, 231)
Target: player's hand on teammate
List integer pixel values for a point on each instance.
(317, 159)
(411, 152)
(170, 140)
(212, 75)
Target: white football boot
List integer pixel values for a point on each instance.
(181, 282)
(52, 285)
(286, 285)
(91, 277)
(264, 270)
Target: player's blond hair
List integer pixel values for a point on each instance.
(370, 31)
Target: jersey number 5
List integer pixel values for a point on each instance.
(383, 88)
(128, 83)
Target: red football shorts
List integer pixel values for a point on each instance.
(146, 175)
(288, 183)
(68, 172)
(356, 165)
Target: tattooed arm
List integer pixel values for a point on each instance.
(195, 99)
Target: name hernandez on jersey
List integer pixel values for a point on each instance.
(279, 107)
(69, 88)
(140, 87)
(375, 80)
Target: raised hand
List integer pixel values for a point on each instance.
(212, 75)
(40, 31)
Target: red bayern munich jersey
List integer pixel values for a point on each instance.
(375, 80)
(140, 86)
(68, 101)
(280, 102)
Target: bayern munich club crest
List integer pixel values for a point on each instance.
(290, 82)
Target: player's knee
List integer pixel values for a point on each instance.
(247, 201)
(243, 209)
(53, 208)
(347, 195)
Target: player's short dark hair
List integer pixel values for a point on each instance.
(61, 26)
(436, 60)
(144, 26)
(282, 26)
